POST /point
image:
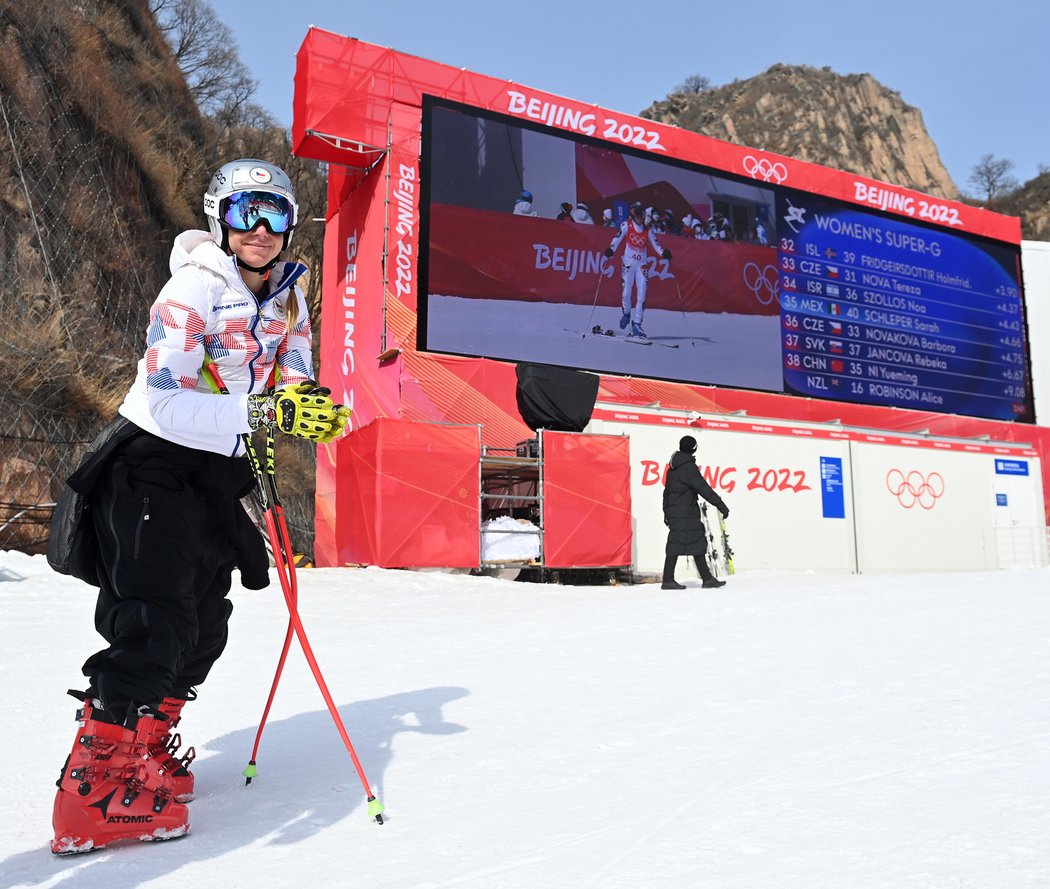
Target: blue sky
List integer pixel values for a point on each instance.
(976, 70)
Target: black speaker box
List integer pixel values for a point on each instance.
(556, 398)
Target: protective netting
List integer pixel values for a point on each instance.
(103, 158)
(72, 317)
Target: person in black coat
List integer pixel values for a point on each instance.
(687, 536)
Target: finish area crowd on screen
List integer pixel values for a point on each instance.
(662, 222)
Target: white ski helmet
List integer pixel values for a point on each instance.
(248, 175)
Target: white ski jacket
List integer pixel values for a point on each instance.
(207, 311)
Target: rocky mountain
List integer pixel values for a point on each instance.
(849, 122)
(1032, 203)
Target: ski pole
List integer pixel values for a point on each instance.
(280, 540)
(278, 529)
(276, 547)
(279, 554)
(594, 304)
(681, 308)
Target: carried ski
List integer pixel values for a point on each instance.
(719, 556)
(726, 548)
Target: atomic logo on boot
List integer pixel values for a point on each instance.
(103, 804)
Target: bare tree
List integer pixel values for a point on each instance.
(991, 175)
(205, 50)
(694, 83)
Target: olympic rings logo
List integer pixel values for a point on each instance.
(765, 169)
(762, 282)
(915, 488)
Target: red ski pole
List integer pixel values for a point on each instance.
(280, 542)
(289, 586)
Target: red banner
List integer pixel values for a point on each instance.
(351, 336)
(411, 497)
(586, 500)
(489, 255)
(345, 90)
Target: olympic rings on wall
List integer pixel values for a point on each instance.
(915, 488)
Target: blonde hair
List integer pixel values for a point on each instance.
(291, 308)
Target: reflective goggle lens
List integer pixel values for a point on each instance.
(244, 210)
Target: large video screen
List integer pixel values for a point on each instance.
(713, 279)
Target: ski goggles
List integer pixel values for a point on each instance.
(244, 210)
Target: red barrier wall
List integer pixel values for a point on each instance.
(587, 500)
(409, 496)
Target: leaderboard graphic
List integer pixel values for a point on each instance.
(877, 310)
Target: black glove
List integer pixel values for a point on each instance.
(725, 512)
(609, 253)
(666, 254)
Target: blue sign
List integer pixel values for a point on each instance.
(1011, 467)
(1000, 500)
(832, 495)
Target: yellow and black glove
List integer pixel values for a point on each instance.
(304, 410)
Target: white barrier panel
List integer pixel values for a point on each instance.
(823, 498)
(780, 515)
(921, 509)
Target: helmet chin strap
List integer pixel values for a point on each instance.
(259, 269)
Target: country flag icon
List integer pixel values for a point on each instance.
(835, 327)
(830, 253)
(835, 308)
(832, 289)
(833, 271)
(837, 366)
(835, 346)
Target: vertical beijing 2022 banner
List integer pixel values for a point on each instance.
(352, 308)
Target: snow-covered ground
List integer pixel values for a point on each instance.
(789, 731)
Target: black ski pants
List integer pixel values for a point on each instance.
(167, 519)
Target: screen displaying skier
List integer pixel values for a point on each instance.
(543, 246)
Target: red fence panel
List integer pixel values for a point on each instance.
(586, 500)
(409, 495)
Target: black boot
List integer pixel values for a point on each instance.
(710, 582)
(669, 582)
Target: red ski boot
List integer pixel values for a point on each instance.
(112, 789)
(164, 748)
